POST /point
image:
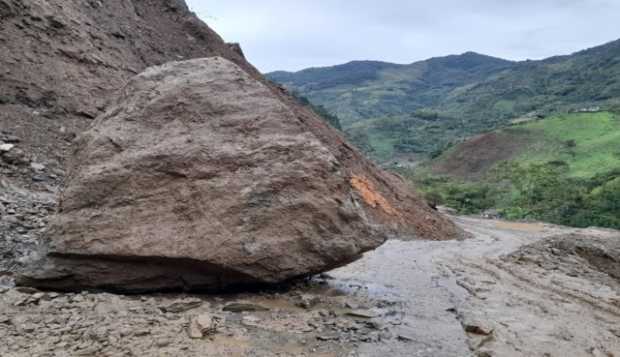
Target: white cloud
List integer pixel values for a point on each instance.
(295, 34)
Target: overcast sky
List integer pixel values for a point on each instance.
(296, 34)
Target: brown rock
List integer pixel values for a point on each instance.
(182, 305)
(477, 327)
(200, 177)
(63, 59)
(217, 181)
(242, 307)
(365, 314)
(203, 325)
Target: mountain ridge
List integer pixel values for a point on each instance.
(416, 109)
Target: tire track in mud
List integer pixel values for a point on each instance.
(542, 304)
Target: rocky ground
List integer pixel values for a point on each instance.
(306, 320)
(515, 289)
(28, 195)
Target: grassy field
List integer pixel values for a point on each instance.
(588, 142)
(564, 169)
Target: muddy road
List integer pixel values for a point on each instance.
(502, 293)
(511, 290)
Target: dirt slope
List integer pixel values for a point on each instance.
(474, 157)
(61, 59)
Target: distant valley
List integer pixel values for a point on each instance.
(533, 140)
(406, 112)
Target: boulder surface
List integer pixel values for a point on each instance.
(201, 177)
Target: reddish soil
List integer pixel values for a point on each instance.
(476, 156)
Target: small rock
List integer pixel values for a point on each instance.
(36, 166)
(351, 305)
(308, 301)
(21, 302)
(241, 307)
(365, 314)
(26, 290)
(6, 147)
(14, 156)
(328, 337)
(323, 313)
(7, 285)
(99, 334)
(163, 343)
(477, 328)
(89, 351)
(251, 321)
(203, 325)
(325, 276)
(40, 178)
(141, 333)
(374, 325)
(182, 305)
(404, 338)
(28, 328)
(12, 139)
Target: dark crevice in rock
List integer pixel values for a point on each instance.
(133, 275)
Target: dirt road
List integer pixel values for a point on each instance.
(476, 297)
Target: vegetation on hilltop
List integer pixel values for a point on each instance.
(567, 173)
(329, 118)
(421, 108)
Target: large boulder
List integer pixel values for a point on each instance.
(200, 176)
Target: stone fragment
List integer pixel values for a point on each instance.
(308, 301)
(182, 305)
(477, 327)
(243, 307)
(203, 325)
(365, 314)
(37, 167)
(6, 147)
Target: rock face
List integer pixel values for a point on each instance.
(60, 63)
(61, 60)
(199, 176)
(263, 190)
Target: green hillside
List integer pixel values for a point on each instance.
(391, 110)
(588, 143)
(564, 169)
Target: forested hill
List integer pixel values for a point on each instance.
(391, 109)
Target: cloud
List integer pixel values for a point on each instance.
(291, 35)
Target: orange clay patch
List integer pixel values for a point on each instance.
(371, 196)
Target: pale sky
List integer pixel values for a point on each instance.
(296, 34)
